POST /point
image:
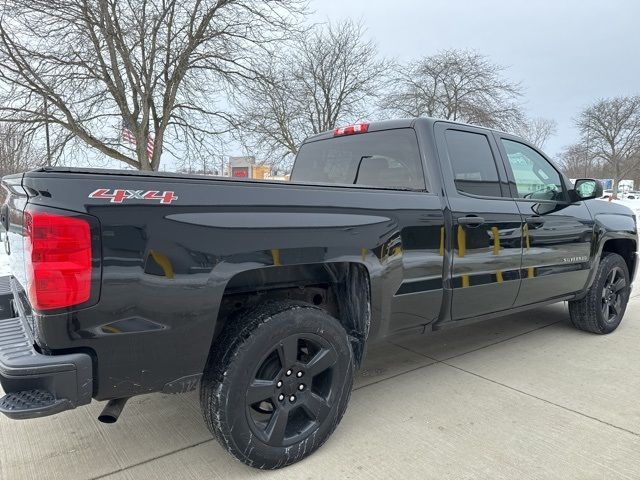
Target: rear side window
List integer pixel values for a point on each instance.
(474, 167)
(387, 159)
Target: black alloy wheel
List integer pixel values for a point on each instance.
(291, 390)
(613, 295)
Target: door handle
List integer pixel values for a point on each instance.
(535, 220)
(469, 220)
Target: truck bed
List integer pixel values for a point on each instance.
(165, 268)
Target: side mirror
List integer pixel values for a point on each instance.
(586, 189)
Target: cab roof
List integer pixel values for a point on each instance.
(398, 123)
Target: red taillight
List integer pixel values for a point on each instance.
(58, 260)
(351, 129)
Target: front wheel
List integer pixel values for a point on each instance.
(602, 309)
(277, 383)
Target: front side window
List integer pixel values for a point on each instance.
(535, 177)
(474, 167)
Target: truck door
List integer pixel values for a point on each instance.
(557, 234)
(486, 228)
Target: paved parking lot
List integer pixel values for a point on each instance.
(525, 396)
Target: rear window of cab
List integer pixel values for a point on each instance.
(383, 159)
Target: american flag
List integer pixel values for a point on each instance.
(129, 136)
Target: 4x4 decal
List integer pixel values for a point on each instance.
(120, 195)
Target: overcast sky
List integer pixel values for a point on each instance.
(565, 53)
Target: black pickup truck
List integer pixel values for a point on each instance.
(267, 294)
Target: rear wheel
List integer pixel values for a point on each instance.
(602, 309)
(277, 383)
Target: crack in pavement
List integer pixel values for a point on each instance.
(498, 341)
(143, 462)
(549, 402)
(604, 422)
(435, 360)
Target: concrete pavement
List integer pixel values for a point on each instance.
(525, 396)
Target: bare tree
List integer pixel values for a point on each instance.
(610, 129)
(156, 66)
(329, 77)
(456, 85)
(18, 152)
(536, 130)
(578, 162)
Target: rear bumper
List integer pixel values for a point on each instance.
(37, 385)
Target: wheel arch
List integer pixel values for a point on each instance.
(626, 248)
(621, 243)
(343, 289)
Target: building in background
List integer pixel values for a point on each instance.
(241, 167)
(246, 167)
(238, 167)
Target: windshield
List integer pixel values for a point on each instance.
(387, 159)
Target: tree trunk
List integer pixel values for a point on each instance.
(616, 178)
